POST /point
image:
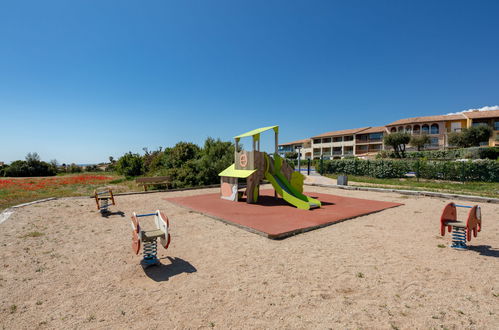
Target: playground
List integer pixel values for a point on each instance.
(64, 265)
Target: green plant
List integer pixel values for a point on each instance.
(419, 141)
(130, 165)
(398, 142)
(471, 136)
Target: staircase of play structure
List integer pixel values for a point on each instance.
(273, 173)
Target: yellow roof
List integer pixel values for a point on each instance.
(232, 172)
(256, 131)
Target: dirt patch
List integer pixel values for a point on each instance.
(65, 266)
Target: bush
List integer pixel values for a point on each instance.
(32, 166)
(73, 168)
(478, 170)
(130, 165)
(468, 153)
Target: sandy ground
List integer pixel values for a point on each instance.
(381, 271)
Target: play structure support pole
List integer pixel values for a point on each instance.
(276, 141)
(299, 156)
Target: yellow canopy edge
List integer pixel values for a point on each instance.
(232, 172)
(257, 131)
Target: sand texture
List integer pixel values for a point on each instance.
(380, 271)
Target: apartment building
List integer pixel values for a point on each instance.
(303, 147)
(366, 142)
(369, 141)
(490, 118)
(434, 126)
(438, 127)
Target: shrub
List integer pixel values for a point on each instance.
(32, 166)
(478, 170)
(130, 165)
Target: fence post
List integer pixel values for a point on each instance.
(308, 167)
(321, 165)
(418, 169)
(462, 172)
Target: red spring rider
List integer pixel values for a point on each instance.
(461, 231)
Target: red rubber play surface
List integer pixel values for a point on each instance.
(274, 218)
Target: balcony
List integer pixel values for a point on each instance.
(365, 141)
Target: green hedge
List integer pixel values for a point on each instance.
(479, 170)
(464, 153)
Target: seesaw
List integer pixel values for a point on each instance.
(149, 238)
(461, 231)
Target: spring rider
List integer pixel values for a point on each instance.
(104, 199)
(461, 231)
(149, 238)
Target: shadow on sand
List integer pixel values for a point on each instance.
(485, 250)
(109, 214)
(265, 200)
(162, 272)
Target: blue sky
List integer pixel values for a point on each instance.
(84, 80)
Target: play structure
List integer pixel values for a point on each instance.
(149, 238)
(104, 199)
(251, 167)
(461, 231)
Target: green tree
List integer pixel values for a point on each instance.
(477, 134)
(130, 165)
(457, 139)
(32, 166)
(181, 153)
(398, 142)
(470, 137)
(215, 156)
(291, 155)
(419, 141)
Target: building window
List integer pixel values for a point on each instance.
(362, 138)
(425, 129)
(476, 124)
(496, 125)
(434, 129)
(348, 138)
(326, 140)
(317, 141)
(416, 129)
(401, 128)
(434, 142)
(408, 129)
(393, 130)
(375, 136)
(337, 139)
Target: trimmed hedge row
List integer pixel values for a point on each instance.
(479, 170)
(467, 153)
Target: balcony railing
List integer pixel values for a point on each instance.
(368, 140)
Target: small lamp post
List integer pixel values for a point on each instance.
(299, 156)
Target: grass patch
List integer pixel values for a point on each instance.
(14, 191)
(484, 189)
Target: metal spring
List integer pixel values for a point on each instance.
(104, 205)
(150, 252)
(458, 238)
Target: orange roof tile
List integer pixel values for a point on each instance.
(377, 129)
(482, 114)
(295, 142)
(342, 132)
(426, 119)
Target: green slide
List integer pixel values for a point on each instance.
(286, 190)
